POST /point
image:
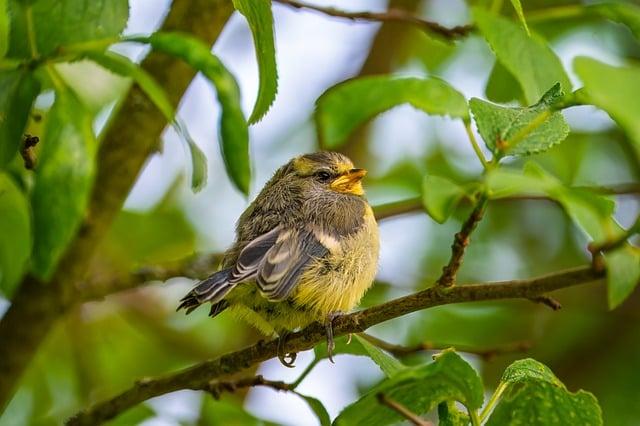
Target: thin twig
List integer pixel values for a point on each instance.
(217, 387)
(402, 410)
(392, 15)
(614, 243)
(487, 354)
(548, 301)
(460, 243)
(27, 151)
(197, 376)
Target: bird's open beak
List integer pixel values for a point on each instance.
(349, 182)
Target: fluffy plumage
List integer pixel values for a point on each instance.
(305, 248)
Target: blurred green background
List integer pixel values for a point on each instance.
(102, 346)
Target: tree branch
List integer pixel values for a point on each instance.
(132, 136)
(392, 15)
(199, 375)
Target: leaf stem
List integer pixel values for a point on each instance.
(493, 401)
(554, 13)
(305, 373)
(31, 33)
(475, 145)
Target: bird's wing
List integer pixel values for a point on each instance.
(276, 259)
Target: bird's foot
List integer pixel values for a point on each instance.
(286, 359)
(331, 344)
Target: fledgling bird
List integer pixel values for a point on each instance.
(306, 250)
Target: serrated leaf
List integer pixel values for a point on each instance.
(539, 403)
(527, 57)
(61, 22)
(15, 228)
(624, 13)
(64, 177)
(121, 65)
(521, 131)
(260, 19)
(387, 363)
(318, 408)
(18, 91)
(4, 28)
(518, 8)
(615, 90)
(440, 197)
(502, 87)
(623, 273)
(233, 126)
(420, 389)
(528, 370)
(346, 106)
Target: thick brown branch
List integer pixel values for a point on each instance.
(412, 417)
(199, 375)
(132, 136)
(485, 353)
(392, 15)
(460, 243)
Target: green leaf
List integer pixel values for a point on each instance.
(527, 58)
(528, 370)
(226, 412)
(343, 346)
(521, 131)
(233, 126)
(440, 197)
(133, 416)
(345, 107)
(518, 8)
(538, 403)
(15, 228)
(420, 389)
(502, 87)
(317, 407)
(121, 65)
(624, 13)
(62, 22)
(4, 28)
(18, 91)
(623, 273)
(64, 177)
(387, 363)
(260, 19)
(615, 90)
(449, 415)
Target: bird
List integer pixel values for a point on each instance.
(306, 250)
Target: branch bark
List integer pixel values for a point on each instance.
(131, 138)
(199, 375)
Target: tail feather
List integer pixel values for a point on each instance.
(212, 289)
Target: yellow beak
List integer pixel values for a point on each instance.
(349, 182)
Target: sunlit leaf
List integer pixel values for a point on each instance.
(64, 177)
(614, 89)
(62, 22)
(133, 416)
(521, 131)
(15, 228)
(623, 273)
(345, 107)
(387, 363)
(260, 19)
(4, 28)
(528, 370)
(440, 197)
(420, 389)
(527, 57)
(518, 8)
(233, 126)
(121, 65)
(18, 90)
(449, 415)
(539, 403)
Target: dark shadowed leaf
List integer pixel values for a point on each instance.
(233, 126)
(226, 412)
(539, 403)
(260, 19)
(60, 22)
(18, 90)
(347, 106)
(420, 389)
(521, 131)
(615, 90)
(15, 228)
(133, 416)
(4, 28)
(518, 8)
(121, 65)
(625, 13)
(502, 87)
(527, 57)
(64, 177)
(440, 197)
(449, 415)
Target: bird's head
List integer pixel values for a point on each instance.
(328, 171)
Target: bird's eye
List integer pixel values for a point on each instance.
(323, 176)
